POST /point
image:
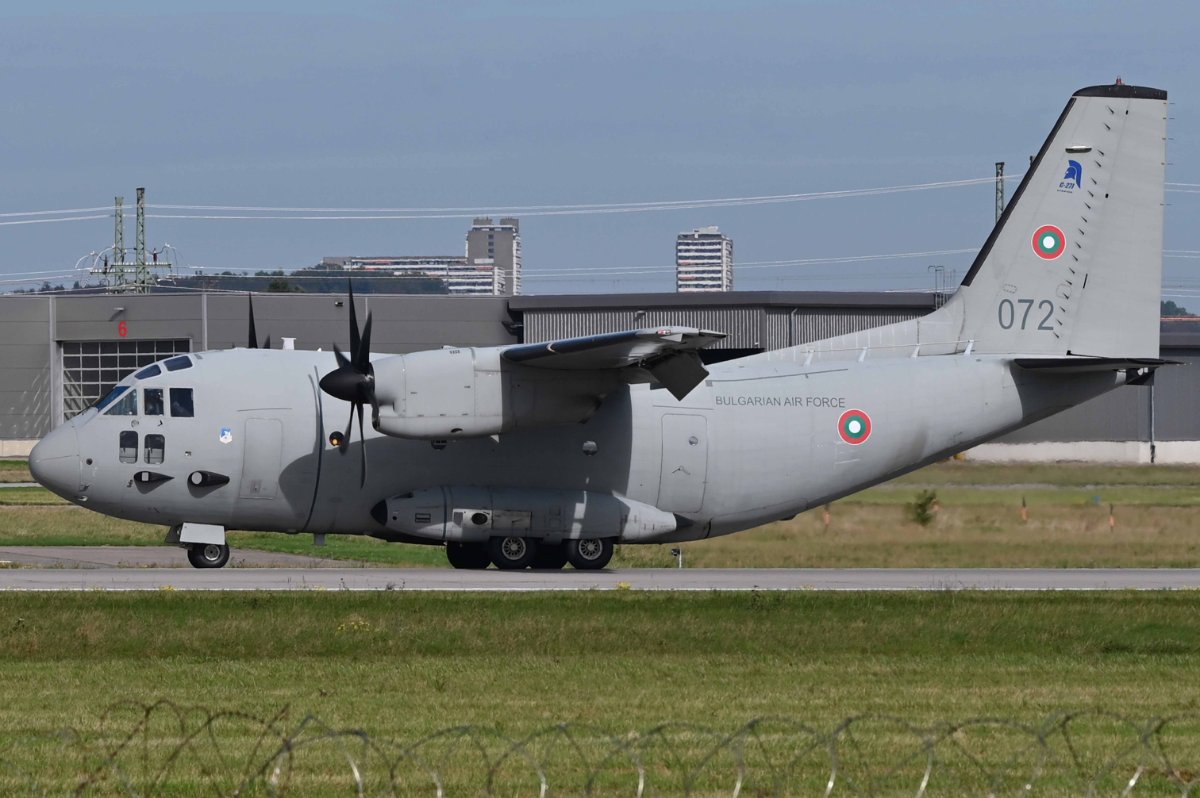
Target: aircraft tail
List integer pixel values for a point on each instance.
(1074, 266)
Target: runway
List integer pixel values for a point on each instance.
(95, 572)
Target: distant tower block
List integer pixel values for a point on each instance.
(703, 261)
(497, 247)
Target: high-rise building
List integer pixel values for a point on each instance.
(703, 261)
(497, 247)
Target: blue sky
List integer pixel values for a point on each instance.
(496, 105)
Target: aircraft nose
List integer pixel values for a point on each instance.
(54, 461)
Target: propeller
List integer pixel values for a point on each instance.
(253, 335)
(353, 381)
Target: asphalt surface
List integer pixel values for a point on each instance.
(141, 568)
(75, 557)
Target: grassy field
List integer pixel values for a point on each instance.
(402, 666)
(1153, 522)
(15, 471)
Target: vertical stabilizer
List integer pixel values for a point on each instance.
(1074, 266)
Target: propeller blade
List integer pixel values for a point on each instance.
(354, 339)
(253, 342)
(349, 429)
(362, 358)
(342, 360)
(267, 345)
(362, 445)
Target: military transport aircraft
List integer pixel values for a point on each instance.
(540, 454)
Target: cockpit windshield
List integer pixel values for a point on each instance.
(127, 405)
(110, 397)
(178, 363)
(148, 372)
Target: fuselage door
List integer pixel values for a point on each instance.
(260, 459)
(684, 463)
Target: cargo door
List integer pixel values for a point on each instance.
(684, 463)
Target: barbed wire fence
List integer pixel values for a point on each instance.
(162, 748)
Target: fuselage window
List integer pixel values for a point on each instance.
(154, 401)
(178, 363)
(156, 446)
(125, 406)
(149, 371)
(129, 446)
(181, 403)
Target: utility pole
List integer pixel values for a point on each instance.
(118, 256)
(120, 274)
(142, 274)
(999, 189)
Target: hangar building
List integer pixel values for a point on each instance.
(58, 354)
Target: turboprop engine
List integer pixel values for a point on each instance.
(468, 392)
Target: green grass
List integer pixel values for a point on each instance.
(15, 471)
(342, 547)
(401, 666)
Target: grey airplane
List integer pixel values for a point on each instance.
(543, 454)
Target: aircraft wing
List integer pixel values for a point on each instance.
(668, 353)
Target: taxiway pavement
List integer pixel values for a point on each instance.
(101, 576)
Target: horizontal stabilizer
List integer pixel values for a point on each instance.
(612, 350)
(1078, 365)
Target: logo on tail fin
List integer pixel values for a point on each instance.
(1049, 242)
(1073, 178)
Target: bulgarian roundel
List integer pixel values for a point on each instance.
(854, 427)
(1049, 242)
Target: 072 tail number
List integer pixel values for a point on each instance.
(1011, 316)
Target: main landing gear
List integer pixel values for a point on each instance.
(516, 553)
(207, 555)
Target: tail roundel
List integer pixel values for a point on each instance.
(1074, 265)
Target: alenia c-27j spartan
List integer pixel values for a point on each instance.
(549, 453)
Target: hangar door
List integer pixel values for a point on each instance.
(91, 368)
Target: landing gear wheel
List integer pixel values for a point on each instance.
(590, 554)
(208, 555)
(473, 556)
(512, 553)
(550, 558)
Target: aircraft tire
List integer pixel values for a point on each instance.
(208, 555)
(512, 553)
(471, 556)
(550, 557)
(590, 554)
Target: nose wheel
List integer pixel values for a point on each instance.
(208, 555)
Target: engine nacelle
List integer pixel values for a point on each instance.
(470, 392)
(471, 514)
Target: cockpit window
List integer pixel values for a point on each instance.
(109, 397)
(125, 406)
(178, 363)
(153, 397)
(181, 403)
(149, 371)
